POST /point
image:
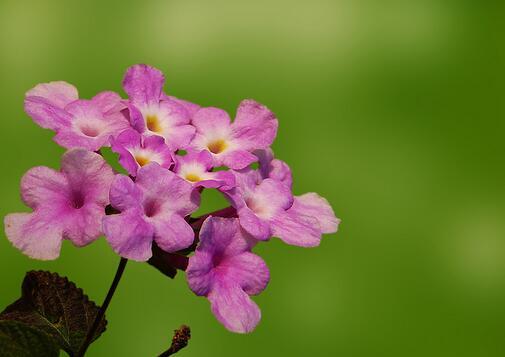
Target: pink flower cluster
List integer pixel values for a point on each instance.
(172, 150)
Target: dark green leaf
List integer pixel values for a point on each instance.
(54, 305)
(20, 340)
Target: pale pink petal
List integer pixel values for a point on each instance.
(248, 270)
(42, 184)
(129, 235)
(212, 122)
(124, 194)
(199, 273)
(90, 172)
(45, 114)
(35, 235)
(173, 234)
(311, 204)
(233, 307)
(296, 229)
(84, 225)
(237, 159)
(57, 93)
(143, 84)
(255, 126)
(108, 101)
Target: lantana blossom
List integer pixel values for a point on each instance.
(196, 168)
(78, 123)
(232, 144)
(136, 150)
(152, 208)
(225, 271)
(154, 113)
(266, 207)
(172, 150)
(67, 204)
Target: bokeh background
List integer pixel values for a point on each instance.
(393, 110)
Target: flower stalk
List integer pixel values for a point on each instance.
(99, 316)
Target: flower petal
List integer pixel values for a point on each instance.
(162, 184)
(42, 184)
(173, 234)
(296, 229)
(199, 273)
(212, 122)
(45, 114)
(107, 101)
(311, 204)
(233, 307)
(57, 94)
(255, 126)
(84, 225)
(35, 235)
(129, 235)
(192, 108)
(124, 194)
(248, 270)
(143, 84)
(88, 172)
(237, 159)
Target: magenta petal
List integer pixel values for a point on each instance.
(296, 229)
(162, 184)
(42, 184)
(57, 94)
(124, 194)
(199, 273)
(89, 172)
(33, 234)
(84, 225)
(248, 270)
(173, 234)
(143, 84)
(45, 114)
(233, 307)
(108, 101)
(238, 159)
(255, 226)
(255, 126)
(211, 121)
(311, 204)
(129, 235)
(192, 108)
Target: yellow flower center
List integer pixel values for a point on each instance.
(193, 177)
(153, 123)
(217, 146)
(142, 160)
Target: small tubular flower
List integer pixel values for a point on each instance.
(67, 204)
(78, 123)
(154, 113)
(136, 151)
(225, 271)
(232, 144)
(151, 208)
(195, 168)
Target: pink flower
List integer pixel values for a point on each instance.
(136, 151)
(225, 271)
(152, 208)
(78, 123)
(266, 208)
(154, 113)
(67, 204)
(232, 144)
(196, 168)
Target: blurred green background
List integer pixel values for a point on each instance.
(393, 110)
